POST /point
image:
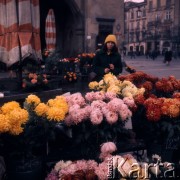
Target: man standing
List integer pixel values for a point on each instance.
(168, 57)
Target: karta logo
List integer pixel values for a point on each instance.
(137, 170)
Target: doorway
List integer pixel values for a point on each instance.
(67, 21)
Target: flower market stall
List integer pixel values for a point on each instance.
(81, 135)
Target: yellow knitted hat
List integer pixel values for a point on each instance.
(111, 38)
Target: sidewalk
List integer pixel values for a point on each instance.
(155, 67)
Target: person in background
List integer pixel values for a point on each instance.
(107, 60)
(168, 57)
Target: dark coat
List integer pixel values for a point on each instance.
(168, 56)
(102, 61)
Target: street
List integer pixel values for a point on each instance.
(155, 67)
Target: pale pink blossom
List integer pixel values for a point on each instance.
(105, 156)
(78, 116)
(74, 108)
(115, 104)
(62, 164)
(111, 117)
(125, 114)
(92, 164)
(81, 165)
(124, 107)
(110, 95)
(90, 96)
(75, 98)
(105, 109)
(97, 104)
(96, 117)
(108, 147)
(129, 101)
(68, 120)
(99, 95)
(102, 171)
(86, 111)
(71, 169)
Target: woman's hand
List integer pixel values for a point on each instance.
(111, 66)
(106, 70)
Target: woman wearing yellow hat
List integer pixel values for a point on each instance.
(107, 59)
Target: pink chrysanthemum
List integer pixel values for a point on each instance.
(92, 164)
(90, 96)
(99, 95)
(97, 104)
(81, 165)
(111, 117)
(115, 104)
(110, 95)
(108, 147)
(96, 117)
(129, 101)
(68, 120)
(125, 114)
(102, 171)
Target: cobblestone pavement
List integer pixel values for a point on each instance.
(154, 67)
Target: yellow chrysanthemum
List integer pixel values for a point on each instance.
(140, 91)
(114, 89)
(59, 103)
(33, 99)
(109, 75)
(134, 90)
(7, 107)
(126, 90)
(55, 114)
(127, 94)
(4, 123)
(64, 107)
(50, 102)
(16, 130)
(41, 109)
(126, 83)
(18, 116)
(93, 85)
(101, 84)
(62, 98)
(109, 78)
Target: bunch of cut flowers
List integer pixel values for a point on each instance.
(70, 77)
(105, 168)
(13, 122)
(110, 83)
(160, 117)
(109, 167)
(44, 117)
(95, 118)
(34, 81)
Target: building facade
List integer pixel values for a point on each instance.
(83, 24)
(135, 27)
(159, 25)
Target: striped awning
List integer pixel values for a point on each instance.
(19, 30)
(50, 29)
